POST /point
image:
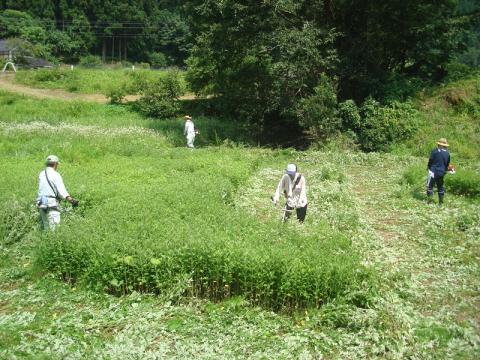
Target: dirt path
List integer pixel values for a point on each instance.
(7, 83)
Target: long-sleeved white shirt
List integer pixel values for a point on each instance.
(44, 189)
(297, 197)
(189, 128)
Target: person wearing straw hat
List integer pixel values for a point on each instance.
(51, 190)
(437, 168)
(294, 187)
(189, 131)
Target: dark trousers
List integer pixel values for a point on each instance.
(301, 213)
(438, 181)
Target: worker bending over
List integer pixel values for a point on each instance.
(294, 188)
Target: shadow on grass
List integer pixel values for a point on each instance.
(217, 129)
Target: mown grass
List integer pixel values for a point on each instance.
(87, 81)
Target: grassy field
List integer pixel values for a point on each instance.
(180, 254)
(86, 81)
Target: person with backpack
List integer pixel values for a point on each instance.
(437, 167)
(293, 187)
(51, 190)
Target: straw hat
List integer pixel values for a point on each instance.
(188, 117)
(442, 142)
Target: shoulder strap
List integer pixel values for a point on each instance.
(54, 189)
(297, 181)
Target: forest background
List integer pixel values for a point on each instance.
(315, 70)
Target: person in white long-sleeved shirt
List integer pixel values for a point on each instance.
(51, 190)
(189, 131)
(293, 187)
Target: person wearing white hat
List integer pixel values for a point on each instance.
(437, 168)
(51, 190)
(189, 131)
(293, 186)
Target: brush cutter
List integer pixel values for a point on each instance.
(285, 211)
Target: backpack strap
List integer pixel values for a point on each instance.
(297, 181)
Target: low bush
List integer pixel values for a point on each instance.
(157, 60)
(90, 61)
(382, 126)
(116, 94)
(161, 98)
(50, 75)
(318, 113)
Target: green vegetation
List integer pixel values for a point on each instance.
(451, 111)
(89, 81)
(179, 253)
(157, 193)
(286, 64)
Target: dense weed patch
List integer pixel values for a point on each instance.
(162, 220)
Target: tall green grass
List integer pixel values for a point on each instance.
(87, 81)
(465, 182)
(18, 109)
(155, 218)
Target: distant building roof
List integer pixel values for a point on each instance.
(5, 47)
(36, 62)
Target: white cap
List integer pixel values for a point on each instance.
(52, 159)
(291, 169)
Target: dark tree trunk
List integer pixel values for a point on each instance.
(104, 50)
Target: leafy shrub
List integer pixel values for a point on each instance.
(138, 82)
(382, 126)
(50, 75)
(350, 115)
(318, 113)
(116, 94)
(157, 60)
(161, 98)
(90, 61)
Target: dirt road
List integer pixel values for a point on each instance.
(7, 83)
